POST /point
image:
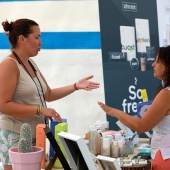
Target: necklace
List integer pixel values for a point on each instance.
(35, 71)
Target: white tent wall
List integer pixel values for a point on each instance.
(64, 67)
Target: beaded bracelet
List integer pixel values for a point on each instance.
(75, 86)
(39, 108)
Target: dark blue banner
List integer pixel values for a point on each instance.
(129, 38)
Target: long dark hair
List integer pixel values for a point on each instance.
(163, 54)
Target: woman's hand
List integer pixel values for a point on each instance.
(107, 109)
(86, 84)
(50, 113)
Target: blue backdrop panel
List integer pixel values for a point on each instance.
(123, 82)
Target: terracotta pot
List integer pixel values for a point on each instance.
(26, 161)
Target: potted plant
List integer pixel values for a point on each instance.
(26, 156)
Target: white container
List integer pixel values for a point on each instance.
(93, 140)
(111, 141)
(99, 138)
(106, 147)
(121, 147)
(115, 150)
(103, 136)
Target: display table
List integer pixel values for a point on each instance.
(138, 167)
(136, 151)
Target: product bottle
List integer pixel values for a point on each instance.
(143, 63)
(102, 124)
(115, 150)
(103, 136)
(93, 140)
(106, 125)
(111, 141)
(106, 147)
(99, 136)
(121, 147)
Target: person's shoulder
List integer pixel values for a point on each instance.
(165, 93)
(8, 63)
(8, 59)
